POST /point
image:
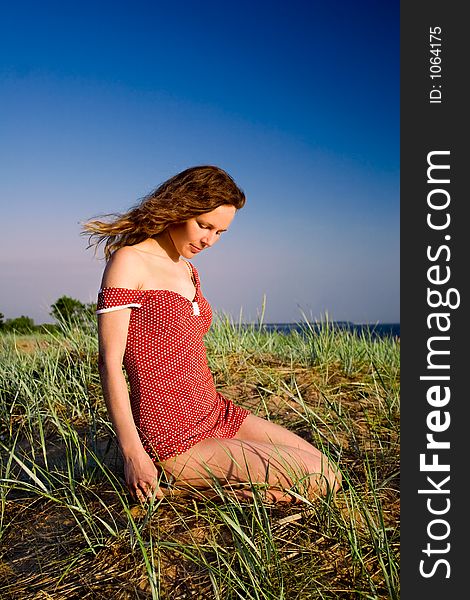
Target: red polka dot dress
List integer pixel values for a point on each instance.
(173, 397)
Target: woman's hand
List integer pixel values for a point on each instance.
(141, 476)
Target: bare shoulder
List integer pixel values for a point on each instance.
(124, 269)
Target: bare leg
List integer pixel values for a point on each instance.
(279, 464)
(256, 429)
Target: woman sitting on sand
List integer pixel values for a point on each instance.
(152, 318)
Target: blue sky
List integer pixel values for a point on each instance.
(299, 102)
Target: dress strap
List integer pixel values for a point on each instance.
(192, 272)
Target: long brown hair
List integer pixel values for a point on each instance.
(192, 192)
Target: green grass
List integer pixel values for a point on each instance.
(68, 528)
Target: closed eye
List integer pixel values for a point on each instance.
(204, 226)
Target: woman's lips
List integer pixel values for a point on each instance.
(195, 248)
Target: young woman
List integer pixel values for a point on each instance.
(152, 317)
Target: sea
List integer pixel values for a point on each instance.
(380, 330)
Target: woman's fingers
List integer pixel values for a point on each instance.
(141, 495)
(146, 491)
(141, 476)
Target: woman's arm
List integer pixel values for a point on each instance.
(139, 470)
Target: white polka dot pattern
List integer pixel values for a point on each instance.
(173, 397)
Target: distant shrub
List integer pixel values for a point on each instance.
(19, 325)
(48, 327)
(67, 310)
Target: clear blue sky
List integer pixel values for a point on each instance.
(299, 102)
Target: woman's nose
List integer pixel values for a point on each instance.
(209, 238)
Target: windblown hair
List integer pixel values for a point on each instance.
(192, 192)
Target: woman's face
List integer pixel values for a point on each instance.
(198, 233)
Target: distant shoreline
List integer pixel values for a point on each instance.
(375, 329)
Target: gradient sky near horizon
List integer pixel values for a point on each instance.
(299, 102)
